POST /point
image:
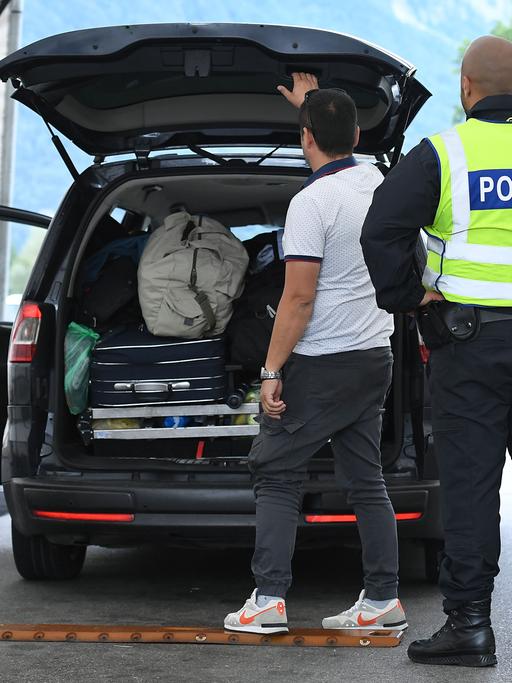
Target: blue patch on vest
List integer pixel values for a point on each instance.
(490, 189)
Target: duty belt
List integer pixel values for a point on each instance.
(491, 315)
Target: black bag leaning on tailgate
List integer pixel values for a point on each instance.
(107, 285)
(132, 367)
(250, 328)
(115, 289)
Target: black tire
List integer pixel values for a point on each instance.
(433, 551)
(36, 558)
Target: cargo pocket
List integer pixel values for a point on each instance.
(271, 425)
(274, 449)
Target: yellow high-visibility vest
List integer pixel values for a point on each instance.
(470, 242)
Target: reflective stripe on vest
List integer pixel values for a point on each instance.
(470, 243)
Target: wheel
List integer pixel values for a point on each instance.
(433, 550)
(36, 558)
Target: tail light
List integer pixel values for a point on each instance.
(350, 519)
(23, 344)
(85, 516)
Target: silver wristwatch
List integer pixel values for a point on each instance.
(270, 374)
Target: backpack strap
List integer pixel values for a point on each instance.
(201, 297)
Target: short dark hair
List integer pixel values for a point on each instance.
(331, 116)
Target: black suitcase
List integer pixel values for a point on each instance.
(132, 367)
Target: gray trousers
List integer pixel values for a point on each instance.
(338, 397)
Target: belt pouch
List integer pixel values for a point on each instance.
(446, 322)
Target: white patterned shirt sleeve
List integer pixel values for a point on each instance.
(304, 233)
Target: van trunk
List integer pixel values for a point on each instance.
(248, 197)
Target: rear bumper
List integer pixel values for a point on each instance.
(166, 512)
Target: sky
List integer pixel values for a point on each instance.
(425, 32)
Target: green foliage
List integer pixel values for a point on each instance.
(23, 261)
(501, 30)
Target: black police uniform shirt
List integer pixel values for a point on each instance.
(404, 204)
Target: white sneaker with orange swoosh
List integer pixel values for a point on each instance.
(253, 619)
(364, 616)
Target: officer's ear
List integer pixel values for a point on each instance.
(466, 93)
(356, 136)
(466, 87)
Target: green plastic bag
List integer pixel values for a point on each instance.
(78, 346)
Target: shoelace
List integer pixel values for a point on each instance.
(356, 607)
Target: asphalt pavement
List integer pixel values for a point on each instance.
(193, 587)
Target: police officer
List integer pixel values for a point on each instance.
(458, 186)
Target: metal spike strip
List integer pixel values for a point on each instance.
(202, 636)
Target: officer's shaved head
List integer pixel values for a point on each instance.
(486, 70)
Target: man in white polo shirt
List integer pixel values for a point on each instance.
(331, 344)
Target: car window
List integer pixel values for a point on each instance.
(245, 232)
(24, 245)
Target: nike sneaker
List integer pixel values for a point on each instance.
(253, 619)
(364, 616)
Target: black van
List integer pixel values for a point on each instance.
(193, 112)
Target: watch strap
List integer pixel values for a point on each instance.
(270, 374)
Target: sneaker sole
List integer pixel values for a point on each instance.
(400, 626)
(458, 660)
(258, 629)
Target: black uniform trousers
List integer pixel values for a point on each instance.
(471, 386)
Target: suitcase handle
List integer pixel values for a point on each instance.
(150, 387)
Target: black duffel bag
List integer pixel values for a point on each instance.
(250, 328)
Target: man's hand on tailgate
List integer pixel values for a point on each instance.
(302, 83)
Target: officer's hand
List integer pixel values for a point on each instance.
(431, 296)
(302, 83)
(270, 397)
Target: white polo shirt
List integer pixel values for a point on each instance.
(323, 224)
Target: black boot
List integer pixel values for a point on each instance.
(465, 640)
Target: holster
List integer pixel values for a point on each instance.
(443, 322)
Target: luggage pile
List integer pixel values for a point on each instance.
(184, 317)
